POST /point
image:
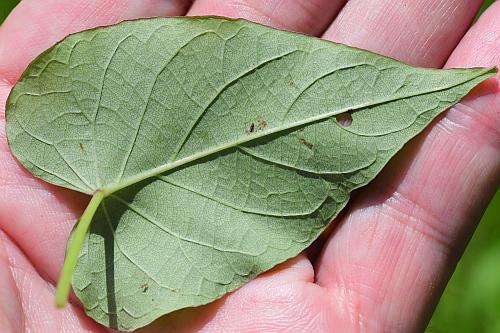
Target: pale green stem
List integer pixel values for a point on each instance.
(64, 283)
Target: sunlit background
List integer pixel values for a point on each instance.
(471, 302)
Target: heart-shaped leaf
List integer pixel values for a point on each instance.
(214, 149)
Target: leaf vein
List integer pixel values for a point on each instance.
(220, 92)
(145, 216)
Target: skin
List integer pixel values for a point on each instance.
(382, 266)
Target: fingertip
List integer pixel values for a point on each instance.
(481, 45)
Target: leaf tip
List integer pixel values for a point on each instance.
(491, 70)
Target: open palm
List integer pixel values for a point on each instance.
(386, 261)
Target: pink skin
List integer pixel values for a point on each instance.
(391, 253)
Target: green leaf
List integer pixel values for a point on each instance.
(214, 148)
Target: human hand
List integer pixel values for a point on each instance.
(387, 260)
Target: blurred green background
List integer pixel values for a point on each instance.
(5, 8)
(471, 302)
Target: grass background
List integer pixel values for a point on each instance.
(471, 302)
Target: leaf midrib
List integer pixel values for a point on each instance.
(251, 137)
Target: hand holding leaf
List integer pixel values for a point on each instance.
(211, 148)
(356, 265)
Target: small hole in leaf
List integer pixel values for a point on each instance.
(344, 119)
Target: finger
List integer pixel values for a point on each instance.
(284, 299)
(32, 298)
(311, 17)
(36, 25)
(418, 32)
(389, 261)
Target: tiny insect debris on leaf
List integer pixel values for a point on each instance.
(186, 204)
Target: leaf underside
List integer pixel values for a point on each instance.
(216, 144)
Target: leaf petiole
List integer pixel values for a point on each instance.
(64, 283)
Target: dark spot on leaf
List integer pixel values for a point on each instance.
(344, 119)
(81, 147)
(262, 124)
(306, 143)
(144, 287)
(250, 129)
